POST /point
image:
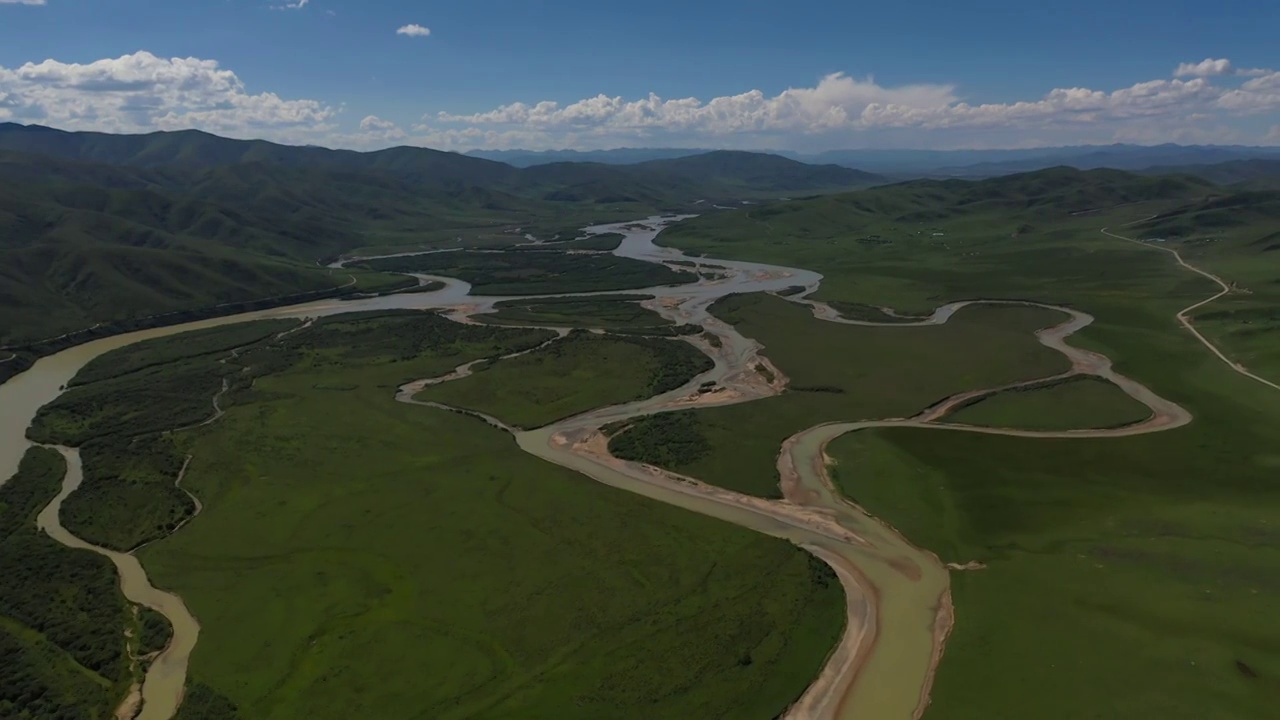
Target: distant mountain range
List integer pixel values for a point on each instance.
(619, 156)
(937, 163)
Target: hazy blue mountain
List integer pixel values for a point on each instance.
(932, 163)
(618, 156)
(992, 163)
(1259, 172)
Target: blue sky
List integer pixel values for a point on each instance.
(799, 74)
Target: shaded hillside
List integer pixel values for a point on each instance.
(194, 149)
(758, 173)
(1057, 192)
(1117, 157)
(1217, 215)
(1258, 172)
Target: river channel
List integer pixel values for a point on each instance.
(898, 602)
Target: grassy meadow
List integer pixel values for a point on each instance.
(847, 372)
(1074, 404)
(1125, 577)
(362, 557)
(572, 376)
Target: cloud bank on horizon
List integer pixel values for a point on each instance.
(1210, 101)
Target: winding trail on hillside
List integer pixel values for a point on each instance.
(898, 610)
(1184, 317)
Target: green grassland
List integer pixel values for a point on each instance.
(62, 617)
(362, 557)
(537, 272)
(572, 376)
(1127, 577)
(615, 313)
(917, 245)
(846, 372)
(1077, 403)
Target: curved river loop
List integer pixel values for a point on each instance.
(899, 610)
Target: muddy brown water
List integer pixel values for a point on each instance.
(895, 591)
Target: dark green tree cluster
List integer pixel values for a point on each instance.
(401, 335)
(129, 497)
(204, 703)
(675, 363)
(163, 351)
(154, 631)
(38, 682)
(61, 612)
(537, 272)
(669, 440)
(152, 400)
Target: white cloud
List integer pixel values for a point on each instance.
(374, 130)
(834, 103)
(142, 92)
(842, 111)
(413, 30)
(22, 2)
(1273, 137)
(373, 122)
(1205, 68)
(291, 5)
(1260, 94)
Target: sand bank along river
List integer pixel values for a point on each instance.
(898, 601)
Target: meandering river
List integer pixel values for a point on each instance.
(898, 609)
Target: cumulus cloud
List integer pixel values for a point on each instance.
(373, 122)
(374, 130)
(835, 102)
(142, 92)
(1261, 94)
(840, 108)
(413, 30)
(1205, 68)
